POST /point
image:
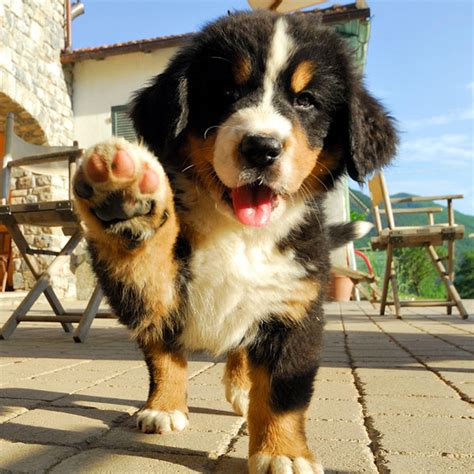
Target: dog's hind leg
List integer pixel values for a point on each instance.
(236, 381)
(282, 366)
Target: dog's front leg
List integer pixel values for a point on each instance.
(283, 363)
(125, 201)
(166, 408)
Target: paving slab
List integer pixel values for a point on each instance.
(418, 406)
(335, 410)
(99, 461)
(424, 384)
(344, 457)
(12, 407)
(60, 426)
(414, 464)
(33, 457)
(426, 435)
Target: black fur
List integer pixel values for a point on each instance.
(125, 300)
(290, 354)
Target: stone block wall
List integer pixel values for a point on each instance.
(29, 187)
(31, 75)
(38, 90)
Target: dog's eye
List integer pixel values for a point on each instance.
(305, 100)
(230, 94)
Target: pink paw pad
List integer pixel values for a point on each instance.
(97, 169)
(123, 165)
(149, 182)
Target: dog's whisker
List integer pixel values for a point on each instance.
(187, 168)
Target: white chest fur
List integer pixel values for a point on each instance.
(239, 277)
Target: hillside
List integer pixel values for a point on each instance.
(418, 219)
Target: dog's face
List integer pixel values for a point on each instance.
(264, 110)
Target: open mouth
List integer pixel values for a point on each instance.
(253, 203)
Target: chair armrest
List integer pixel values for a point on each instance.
(427, 198)
(416, 210)
(49, 158)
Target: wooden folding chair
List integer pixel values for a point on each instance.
(427, 236)
(43, 160)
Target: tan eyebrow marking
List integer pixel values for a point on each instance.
(242, 69)
(304, 72)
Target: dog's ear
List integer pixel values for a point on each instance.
(372, 139)
(159, 111)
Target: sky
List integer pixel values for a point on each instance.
(420, 65)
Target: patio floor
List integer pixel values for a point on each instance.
(391, 395)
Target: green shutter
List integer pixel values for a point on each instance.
(357, 35)
(121, 124)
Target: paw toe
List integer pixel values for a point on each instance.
(157, 421)
(149, 182)
(264, 463)
(96, 168)
(123, 165)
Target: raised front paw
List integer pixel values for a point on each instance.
(122, 189)
(261, 463)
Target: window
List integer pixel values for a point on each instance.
(121, 124)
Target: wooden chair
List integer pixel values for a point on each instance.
(428, 236)
(43, 160)
(5, 256)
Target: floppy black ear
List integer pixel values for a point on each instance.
(372, 135)
(159, 111)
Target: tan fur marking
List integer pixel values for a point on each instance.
(304, 72)
(170, 377)
(242, 69)
(237, 369)
(301, 299)
(273, 433)
(303, 161)
(322, 169)
(201, 153)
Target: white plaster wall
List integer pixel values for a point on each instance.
(337, 211)
(101, 84)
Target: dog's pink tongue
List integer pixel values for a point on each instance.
(252, 205)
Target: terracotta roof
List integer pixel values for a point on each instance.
(334, 14)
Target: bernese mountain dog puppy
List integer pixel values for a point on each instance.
(221, 245)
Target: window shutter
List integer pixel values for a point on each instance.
(121, 124)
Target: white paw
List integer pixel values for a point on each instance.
(157, 421)
(238, 398)
(265, 463)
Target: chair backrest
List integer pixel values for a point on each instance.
(36, 158)
(380, 197)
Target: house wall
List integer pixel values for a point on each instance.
(101, 84)
(32, 82)
(36, 88)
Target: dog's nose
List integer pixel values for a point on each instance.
(260, 150)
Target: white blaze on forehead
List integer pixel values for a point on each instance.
(261, 118)
(281, 49)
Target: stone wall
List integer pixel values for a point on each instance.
(38, 90)
(31, 39)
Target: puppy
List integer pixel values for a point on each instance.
(222, 244)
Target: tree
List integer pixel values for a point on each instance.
(416, 273)
(464, 279)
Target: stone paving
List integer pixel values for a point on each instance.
(391, 395)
